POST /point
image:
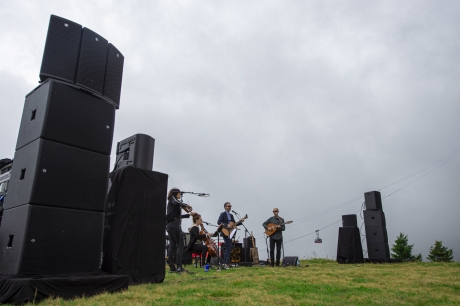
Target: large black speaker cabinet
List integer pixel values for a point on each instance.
(62, 45)
(92, 61)
(376, 234)
(349, 248)
(247, 242)
(54, 174)
(61, 113)
(49, 240)
(290, 261)
(374, 218)
(378, 251)
(349, 220)
(237, 253)
(135, 239)
(136, 151)
(113, 75)
(373, 200)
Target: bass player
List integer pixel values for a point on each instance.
(276, 239)
(225, 218)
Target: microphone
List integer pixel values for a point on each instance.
(234, 212)
(203, 195)
(207, 223)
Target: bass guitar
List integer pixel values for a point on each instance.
(272, 227)
(230, 230)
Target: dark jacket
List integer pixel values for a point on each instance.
(173, 211)
(278, 234)
(194, 236)
(223, 219)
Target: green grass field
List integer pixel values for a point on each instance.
(322, 282)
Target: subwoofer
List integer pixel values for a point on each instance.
(92, 61)
(373, 200)
(38, 239)
(54, 174)
(62, 113)
(113, 75)
(349, 247)
(62, 46)
(374, 218)
(290, 261)
(378, 251)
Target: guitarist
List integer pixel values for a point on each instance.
(276, 239)
(225, 218)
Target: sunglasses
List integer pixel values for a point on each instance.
(276, 211)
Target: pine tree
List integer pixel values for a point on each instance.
(438, 252)
(403, 250)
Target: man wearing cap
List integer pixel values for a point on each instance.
(276, 239)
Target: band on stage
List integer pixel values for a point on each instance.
(201, 241)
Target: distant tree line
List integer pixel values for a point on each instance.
(403, 250)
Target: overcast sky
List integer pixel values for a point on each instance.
(300, 105)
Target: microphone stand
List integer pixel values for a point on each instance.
(245, 229)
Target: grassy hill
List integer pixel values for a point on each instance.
(316, 282)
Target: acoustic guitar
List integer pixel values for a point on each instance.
(272, 227)
(230, 230)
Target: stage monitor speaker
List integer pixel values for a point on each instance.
(60, 57)
(113, 75)
(349, 247)
(373, 200)
(61, 113)
(376, 234)
(38, 239)
(378, 251)
(134, 241)
(54, 174)
(374, 218)
(349, 220)
(136, 151)
(92, 61)
(290, 261)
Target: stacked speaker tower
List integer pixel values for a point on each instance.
(54, 210)
(349, 248)
(376, 231)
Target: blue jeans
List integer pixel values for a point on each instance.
(228, 249)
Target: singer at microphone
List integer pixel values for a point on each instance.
(227, 220)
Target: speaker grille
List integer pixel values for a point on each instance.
(69, 116)
(92, 61)
(58, 175)
(114, 75)
(54, 240)
(60, 56)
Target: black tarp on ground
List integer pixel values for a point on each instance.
(134, 234)
(19, 289)
(349, 248)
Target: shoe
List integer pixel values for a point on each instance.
(224, 267)
(172, 268)
(180, 270)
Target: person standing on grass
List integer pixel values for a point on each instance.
(276, 239)
(173, 226)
